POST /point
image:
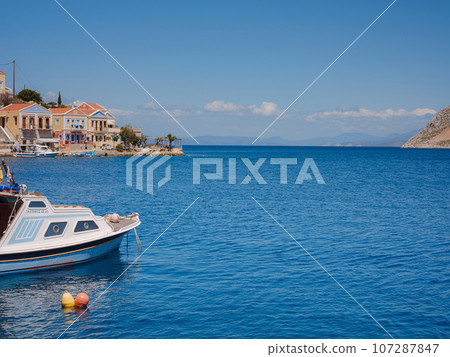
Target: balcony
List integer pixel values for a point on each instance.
(35, 126)
(74, 126)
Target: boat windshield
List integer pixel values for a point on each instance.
(7, 206)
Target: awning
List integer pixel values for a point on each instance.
(47, 141)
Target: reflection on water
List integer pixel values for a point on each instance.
(30, 303)
(72, 314)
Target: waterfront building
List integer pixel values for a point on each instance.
(27, 124)
(70, 126)
(97, 127)
(102, 125)
(3, 88)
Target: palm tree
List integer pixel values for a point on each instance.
(171, 138)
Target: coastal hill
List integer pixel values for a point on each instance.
(435, 135)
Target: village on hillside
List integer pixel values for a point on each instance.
(28, 126)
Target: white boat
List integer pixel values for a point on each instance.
(44, 151)
(26, 154)
(37, 234)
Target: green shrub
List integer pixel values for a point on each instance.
(119, 148)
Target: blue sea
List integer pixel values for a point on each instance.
(251, 260)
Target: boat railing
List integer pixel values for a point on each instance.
(68, 206)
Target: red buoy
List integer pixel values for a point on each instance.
(82, 299)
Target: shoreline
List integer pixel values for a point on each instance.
(106, 153)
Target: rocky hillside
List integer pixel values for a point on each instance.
(435, 135)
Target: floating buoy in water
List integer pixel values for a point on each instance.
(82, 299)
(67, 310)
(114, 218)
(67, 300)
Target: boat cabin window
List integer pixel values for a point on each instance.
(6, 211)
(37, 204)
(83, 226)
(55, 229)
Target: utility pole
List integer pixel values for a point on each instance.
(14, 78)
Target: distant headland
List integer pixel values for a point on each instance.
(435, 135)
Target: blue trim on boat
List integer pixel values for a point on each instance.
(58, 257)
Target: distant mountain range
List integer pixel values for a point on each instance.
(348, 139)
(435, 135)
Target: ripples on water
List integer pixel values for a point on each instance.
(227, 270)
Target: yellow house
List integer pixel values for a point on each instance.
(101, 128)
(27, 124)
(3, 87)
(2, 82)
(97, 127)
(70, 126)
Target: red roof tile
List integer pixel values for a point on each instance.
(60, 110)
(91, 106)
(71, 111)
(96, 106)
(88, 111)
(77, 112)
(17, 106)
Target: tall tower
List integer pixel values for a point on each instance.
(2, 82)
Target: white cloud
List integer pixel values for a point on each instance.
(151, 105)
(178, 112)
(50, 96)
(368, 113)
(122, 112)
(266, 108)
(423, 111)
(221, 106)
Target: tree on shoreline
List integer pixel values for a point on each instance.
(171, 138)
(129, 137)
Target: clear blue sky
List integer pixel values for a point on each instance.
(214, 63)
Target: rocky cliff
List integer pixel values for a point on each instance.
(435, 135)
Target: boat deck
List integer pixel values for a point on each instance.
(123, 223)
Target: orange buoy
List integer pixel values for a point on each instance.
(82, 299)
(67, 300)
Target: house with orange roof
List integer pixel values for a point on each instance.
(97, 127)
(27, 124)
(91, 106)
(70, 126)
(102, 129)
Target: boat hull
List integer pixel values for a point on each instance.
(55, 257)
(52, 154)
(26, 155)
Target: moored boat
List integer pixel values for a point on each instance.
(45, 151)
(36, 151)
(26, 154)
(36, 234)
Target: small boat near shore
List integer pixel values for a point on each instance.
(26, 154)
(37, 151)
(36, 234)
(45, 151)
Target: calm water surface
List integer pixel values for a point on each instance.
(225, 269)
